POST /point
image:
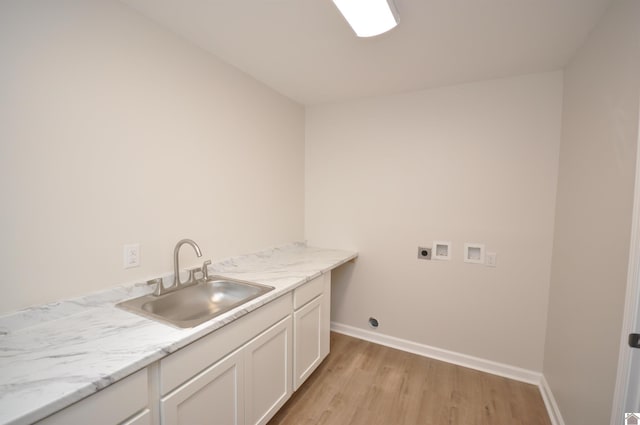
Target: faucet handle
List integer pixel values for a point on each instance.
(191, 279)
(197, 274)
(157, 281)
(205, 270)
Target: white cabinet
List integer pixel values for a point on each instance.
(125, 402)
(310, 327)
(215, 396)
(268, 373)
(307, 337)
(240, 374)
(247, 386)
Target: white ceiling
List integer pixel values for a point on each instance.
(305, 50)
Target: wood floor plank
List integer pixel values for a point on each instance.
(361, 383)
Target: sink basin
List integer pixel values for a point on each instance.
(193, 305)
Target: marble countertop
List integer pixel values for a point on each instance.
(56, 354)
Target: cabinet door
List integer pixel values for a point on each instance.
(307, 328)
(268, 372)
(213, 397)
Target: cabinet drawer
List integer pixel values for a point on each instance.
(109, 406)
(192, 359)
(305, 293)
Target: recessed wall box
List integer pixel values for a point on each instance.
(474, 253)
(424, 253)
(441, 250)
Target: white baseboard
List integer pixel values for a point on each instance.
(495, 368)
(459, 359)
(550, 403)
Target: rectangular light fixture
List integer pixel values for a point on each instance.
(368, 17)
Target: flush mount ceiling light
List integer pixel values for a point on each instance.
(368, 17)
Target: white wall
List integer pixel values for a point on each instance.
(115, 131)
(470, 163)
(593, 217)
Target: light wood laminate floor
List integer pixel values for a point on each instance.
(368, 384)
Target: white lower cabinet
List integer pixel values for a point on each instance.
(245, 387)
(307, 326)
(311, 320)
(125, 402)
(241, 374)
(268, 373)
(215, 396)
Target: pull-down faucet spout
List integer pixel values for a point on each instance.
(176, 267)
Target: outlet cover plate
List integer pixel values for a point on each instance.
(492, 259)
(131, 254)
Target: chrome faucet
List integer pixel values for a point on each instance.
(176, 267)
(177, 284)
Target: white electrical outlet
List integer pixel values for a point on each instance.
(131, 255)
(492, 259)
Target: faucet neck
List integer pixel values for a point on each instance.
(176, 260)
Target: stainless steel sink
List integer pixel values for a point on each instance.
(190, 306)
